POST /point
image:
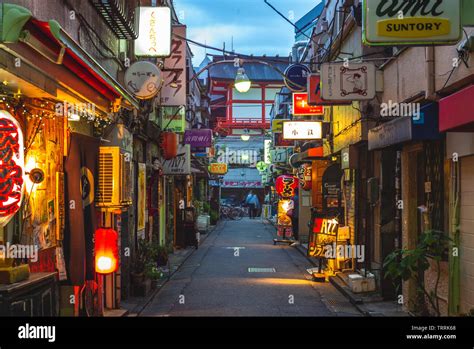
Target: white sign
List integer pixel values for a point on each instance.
(143, 79)
(302, 130)
(427, 22)
(173, 92)
(154, 35)
(348, 81)
(266, 151)
(181, 164)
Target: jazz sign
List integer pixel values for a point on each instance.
(409, 22)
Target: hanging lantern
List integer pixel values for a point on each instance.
(106, 251)
(286, 186)
(305, 176)
(12, 165)
(169, 144)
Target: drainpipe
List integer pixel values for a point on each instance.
(430, 86)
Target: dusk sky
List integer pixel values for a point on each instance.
(255, 27)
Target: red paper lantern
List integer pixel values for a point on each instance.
(305, 176)
(286, 186)
(106, 251)
(169, 144)
(12, 165)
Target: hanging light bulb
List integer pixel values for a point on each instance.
(242, 81)
(245, 136)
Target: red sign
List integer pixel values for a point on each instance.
(314, 90)
(301, 106)
(285, 186)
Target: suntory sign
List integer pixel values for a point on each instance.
(411, 22)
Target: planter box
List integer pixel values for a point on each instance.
(361, 284)
(142, 289)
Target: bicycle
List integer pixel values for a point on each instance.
(233, 213)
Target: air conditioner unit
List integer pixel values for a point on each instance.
(115, 182)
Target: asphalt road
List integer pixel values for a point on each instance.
(215, 280)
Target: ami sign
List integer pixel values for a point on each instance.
(408, 22)
(301, 106)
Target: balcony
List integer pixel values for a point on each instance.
(119, 16)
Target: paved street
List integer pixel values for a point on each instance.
(215, 280)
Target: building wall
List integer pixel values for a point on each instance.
(467, 234)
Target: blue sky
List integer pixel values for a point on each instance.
(255, 27)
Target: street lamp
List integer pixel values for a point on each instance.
(242, 81)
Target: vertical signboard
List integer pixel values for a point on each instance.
(173, 92)
(141, 199)
(154, 35)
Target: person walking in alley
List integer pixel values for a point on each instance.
(253, 204)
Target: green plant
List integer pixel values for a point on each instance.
(206, 207)
(410, 264)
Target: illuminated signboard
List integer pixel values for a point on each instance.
(324, 233)
(302, 130)
(218, 168)
(11, 167)
(394, 22)
(266, 151)
(301, 106)
(154, 39)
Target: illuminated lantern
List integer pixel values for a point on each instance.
(286, 186)
(169, 144)
(12, 165)
(304, 175)
(106, 251)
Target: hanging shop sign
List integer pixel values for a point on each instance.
(267, 144)
(173, 119)
(280, 155)
(394, 22)
(181, 164)
(154, 39)
(301, 106)
(174, 70)
(296, 76)
(302, 130)
(218, 168)
(143, 79)
(198, 138)
(286, 186)
(11, 167)
(348, 82)
(261, 166)
(323, 234)
(305, 176)
(314, 93)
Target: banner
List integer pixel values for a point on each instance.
(81, 171)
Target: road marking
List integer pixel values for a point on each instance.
(261, 270)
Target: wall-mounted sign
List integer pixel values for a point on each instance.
(261, 166)
(277, 125)
(296, 76)
(12, 165)
(173, 119)
(301, 106)
(394, 22)
(218, 168)
(174, 70)
(302, 130)
(154, 39)
(314, 93)
(280, 155)
(143, 79)
(353, 82)
(181, 164)
(198, 137)
(141, 201)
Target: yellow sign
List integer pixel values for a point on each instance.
(414, 27)
(218, 168)
(277, 126)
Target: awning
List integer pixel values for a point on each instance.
(456, 113)
(309, 155)
(406, 129)
(50, 40)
